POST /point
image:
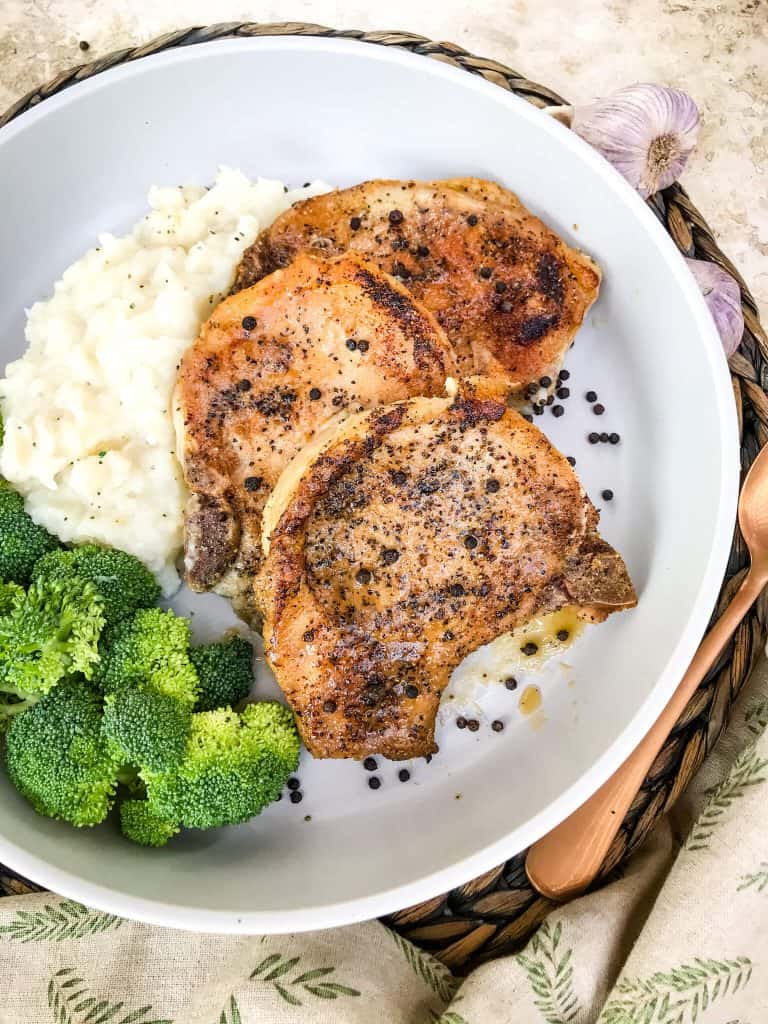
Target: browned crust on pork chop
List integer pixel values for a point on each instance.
(420, 532)
(508, 291)
(271, 365)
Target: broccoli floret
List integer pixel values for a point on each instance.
(149, 650)
(122, 582)
(10, 594)
(22, 542)
(150, 729)
(59, 758)
(225, 670)
(141, 825)
(48, 633)
(234, 765)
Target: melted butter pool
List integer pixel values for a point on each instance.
(550, 634)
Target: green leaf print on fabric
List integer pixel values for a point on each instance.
(231, 1013)
(72, 1002)
(550, 975)
(274, 968)
(748, 770)
(756, 717)
(66, 920)
(679, 996)
(758, 880)
(431, 971)
(449, 1017)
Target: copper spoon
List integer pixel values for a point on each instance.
(567, 860)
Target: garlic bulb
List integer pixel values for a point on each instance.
(723, 298)
(646, 131)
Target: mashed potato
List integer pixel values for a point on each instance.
(89, 437)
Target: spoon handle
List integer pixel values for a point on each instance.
(566, 861)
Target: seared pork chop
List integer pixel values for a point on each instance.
(419, 532)
(270, 366)
(509, 293)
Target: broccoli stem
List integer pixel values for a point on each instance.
(25, 700)
(14, 691)
(127, 776)
(6, 710)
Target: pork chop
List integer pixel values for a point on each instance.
(417, 533)
(509, 293)
(270, 366)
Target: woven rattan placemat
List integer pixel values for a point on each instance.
(496, 912)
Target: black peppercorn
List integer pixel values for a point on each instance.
(351, 344)
(497, 725)
(529, 649)
(395, 217)
(411, 691)
(403, 775)
(248, 323)
(314, 394)
(472, 220)
(374, 782)
(355, 223)
(607, 495)
(363, 576)
(370, 764)
(485, 272)
(296, 797)
(252, 483)
(390, 556)
(329, 706)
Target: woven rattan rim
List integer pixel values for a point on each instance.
(493, 914)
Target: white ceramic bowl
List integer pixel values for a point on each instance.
(297, 109)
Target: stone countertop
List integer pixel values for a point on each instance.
(717, 51)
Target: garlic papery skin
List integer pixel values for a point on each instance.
(646, 131)
(723, 298)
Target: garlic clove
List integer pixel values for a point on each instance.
(723, 298)
(646, 131)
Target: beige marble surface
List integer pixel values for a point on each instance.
(716, 51)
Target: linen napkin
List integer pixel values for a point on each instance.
(680, 938)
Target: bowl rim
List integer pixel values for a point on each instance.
(458, 872)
